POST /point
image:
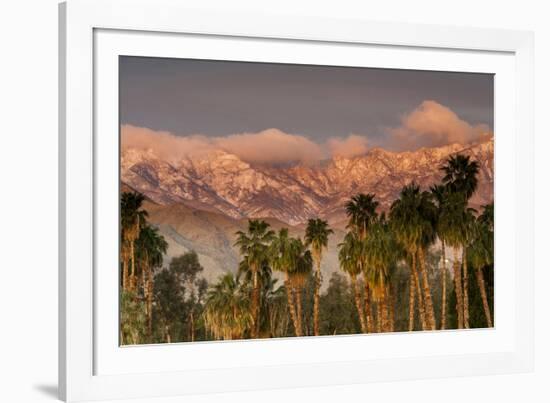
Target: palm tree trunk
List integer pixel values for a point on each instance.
(143, 280)
(391, 303)
(378, 317)
(255, 306)
(443, 288)
(124, 272)
(298, 294)
(192, 326)
(359, 304)
(318, 280)
(427, 293)
(458, 292)
(411, 302)
(292, 306)
(384, 312)
(133, 267)
(368, 316)
(150, 304)
(465, 293)
(421, 307)
(482, 290)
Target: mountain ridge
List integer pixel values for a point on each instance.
(219, 181)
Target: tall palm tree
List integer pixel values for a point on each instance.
(440, 195)
(227, 311)
(254, 245)
(303, 266)
(480, 253)
(276, 305)
(266, 287)
(412, 220)
(361, 212)
(151, 248)
(452, 223)
(460, 176)
(349, 256)
(468, 236)
(382, 253)
(317, 233)
(282, 255)
(487, 217)
(132, 218)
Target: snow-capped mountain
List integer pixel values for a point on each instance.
(220, 182)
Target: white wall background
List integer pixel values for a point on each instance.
(28, 199)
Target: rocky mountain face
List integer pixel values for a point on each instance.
(199, 203)
(220, 182)
(212, 236)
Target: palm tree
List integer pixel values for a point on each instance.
(452, 224)
(151, 247)
(480, 252)
(412, 220)
(264, 274)
(275, 305)
(254, 245)
(361, 212)
(227, 311)
(382, 253)
(317, 233)
(303, 265)
(349, 256)
(132, 218)
(440, 196)
(460, 176)
(487, 217)
(282, 255)
(468, 236)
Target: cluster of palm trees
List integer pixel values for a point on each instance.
(373, 247)
(377, 249)
(142, 250)
(376, 244)
(264, 250)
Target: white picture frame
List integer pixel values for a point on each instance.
(92, 366)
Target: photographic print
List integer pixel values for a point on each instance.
(263, 200)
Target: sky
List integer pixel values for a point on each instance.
(297, 112)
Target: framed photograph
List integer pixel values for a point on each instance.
(259, 201)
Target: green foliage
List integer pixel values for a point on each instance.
(382, 252)
(413, 217)
(227, 313)
(337, 310)
(477, 317)
(317, 233)
(186, 266)
(132, 319)
(179, 297)
(460, 175)
(361, 211)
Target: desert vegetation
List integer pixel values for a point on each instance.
(424, 264)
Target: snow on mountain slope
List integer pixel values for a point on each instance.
(220, 182)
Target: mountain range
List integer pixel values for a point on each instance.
(199, 201)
